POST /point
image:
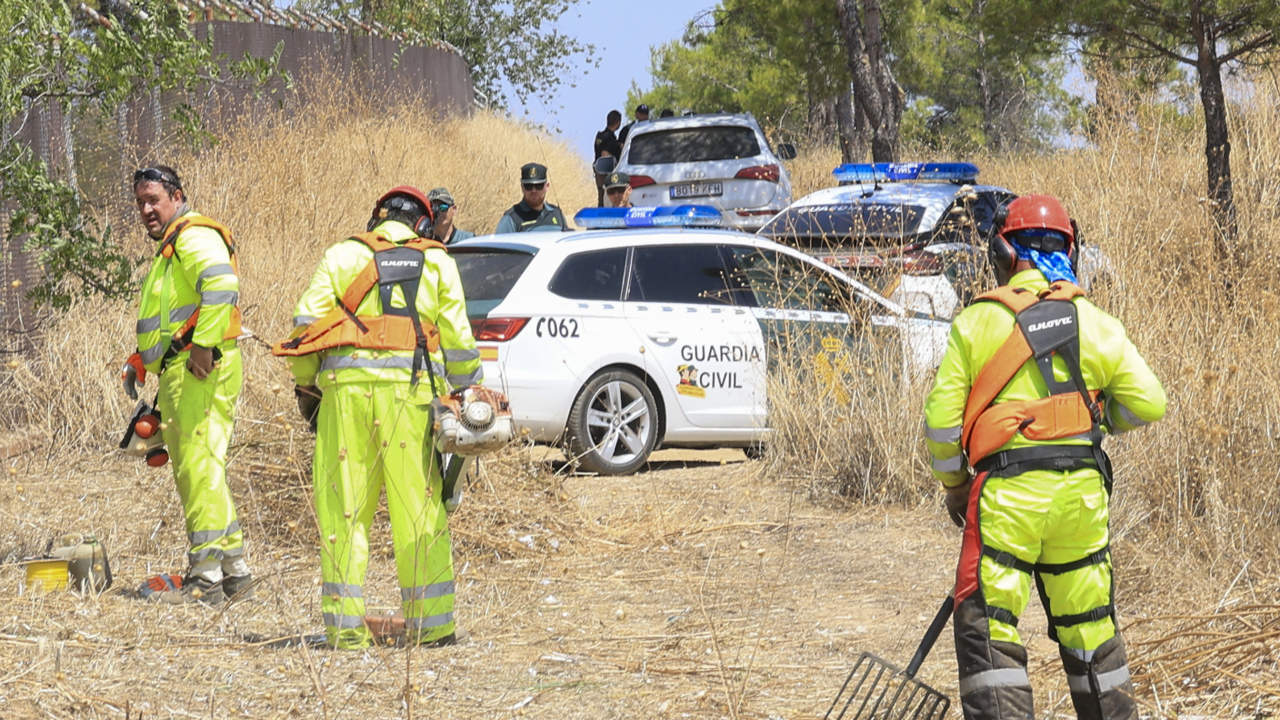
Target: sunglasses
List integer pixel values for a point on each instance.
(615, 190)
(440, 207)
(155, 175)
(535, 186)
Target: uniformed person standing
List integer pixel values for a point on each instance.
(188, 321)
(444, 211)
(533, 213)
(380, 331)
(1033, 375)
(617, 189)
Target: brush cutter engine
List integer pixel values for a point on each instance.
(472, 421)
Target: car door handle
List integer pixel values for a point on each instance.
(662, 339)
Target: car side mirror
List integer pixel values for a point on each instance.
(604, 165)
(786, 151)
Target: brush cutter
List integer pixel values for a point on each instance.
(877, 690)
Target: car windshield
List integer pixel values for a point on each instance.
(488, 275)
(697, 144)
(823, 225)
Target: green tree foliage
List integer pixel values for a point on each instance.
(85, 64)
(983, 73)
(515, 42)
(779, 60)
(1209, 36)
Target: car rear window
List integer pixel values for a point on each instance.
(488, 275)
(594, 275)
(821, 225)
(693, 145)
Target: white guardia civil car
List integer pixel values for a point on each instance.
(613, 341)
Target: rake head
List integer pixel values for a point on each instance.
(877, 690)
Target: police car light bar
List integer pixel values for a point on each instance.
(645, 217)
(887, 172)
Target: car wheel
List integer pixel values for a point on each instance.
(754, 451)
(613, 425)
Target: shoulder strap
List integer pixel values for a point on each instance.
(195, 220)
(1016, 299)
(1063, 290)
(997, 373)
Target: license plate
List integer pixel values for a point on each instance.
(696, 189)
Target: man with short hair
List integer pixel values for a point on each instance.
(617, 188)
(188, 322)
(1033, 376)
(445, 211)
(533, 213)
(641, 115)
(607, 145)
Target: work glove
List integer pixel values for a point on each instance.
(133, 373)
(958, 502)
(308, 403)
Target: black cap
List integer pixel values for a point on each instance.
(617, 179)
(533, 173)
(642, 108)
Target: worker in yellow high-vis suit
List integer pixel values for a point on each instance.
(381, 329)
(1033, 376)
(188, 321)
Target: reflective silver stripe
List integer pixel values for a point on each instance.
(180, 314)
(471, 378)
(942, 435)
(148, 324)
(460, 355)
(1126, 415)
(949, 464)
(343, 622)
(1003, 677)
(219, 269)
(195, 558)
(342, 590)
(1110, 680)
(426, 592)
(219, 297)
(302, 320)
(430, 621)
(200, 537)
(234, 552)
(152, 353)
(391, 362)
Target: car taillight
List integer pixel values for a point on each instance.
(923, 264)
(498, 329)
(759, 172)
(641, 181)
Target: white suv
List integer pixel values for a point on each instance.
(722, 160)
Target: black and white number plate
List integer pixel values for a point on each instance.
(696, 189)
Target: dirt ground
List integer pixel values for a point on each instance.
(696, 589)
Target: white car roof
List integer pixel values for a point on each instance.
(694, 121)
(556, 245)
(934, 197)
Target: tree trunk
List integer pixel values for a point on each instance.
(877, 94)
(850, 146)
(1217, 148)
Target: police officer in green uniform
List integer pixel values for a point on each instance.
(533, 213)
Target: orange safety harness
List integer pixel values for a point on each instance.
(1047, 325)
(396, 328)
(182, 338)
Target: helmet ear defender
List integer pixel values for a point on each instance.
(1000, 252)
(404, 201)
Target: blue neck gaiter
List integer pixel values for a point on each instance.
(1055, 265)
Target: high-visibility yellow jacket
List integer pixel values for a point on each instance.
(439, 302)
(1108, 361)
(193, 275)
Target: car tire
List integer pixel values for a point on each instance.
(601, 438)
(754, 451)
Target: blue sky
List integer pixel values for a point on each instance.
(622, 31)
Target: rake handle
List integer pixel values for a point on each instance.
(931, 635)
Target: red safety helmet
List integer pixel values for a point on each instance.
(421, 227)
(1030, 212)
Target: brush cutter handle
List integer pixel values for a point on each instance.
(931, 635)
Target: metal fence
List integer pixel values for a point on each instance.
(94, 158)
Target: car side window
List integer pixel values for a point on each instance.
(594, 275)
(985, 207)
(784, 282)
(691, 273)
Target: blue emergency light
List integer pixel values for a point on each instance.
(648, 217)
(889, 172)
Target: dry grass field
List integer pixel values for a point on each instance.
(707, 586)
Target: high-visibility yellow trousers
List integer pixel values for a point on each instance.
(370, 436)
(196, 421)
(1050, 527)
